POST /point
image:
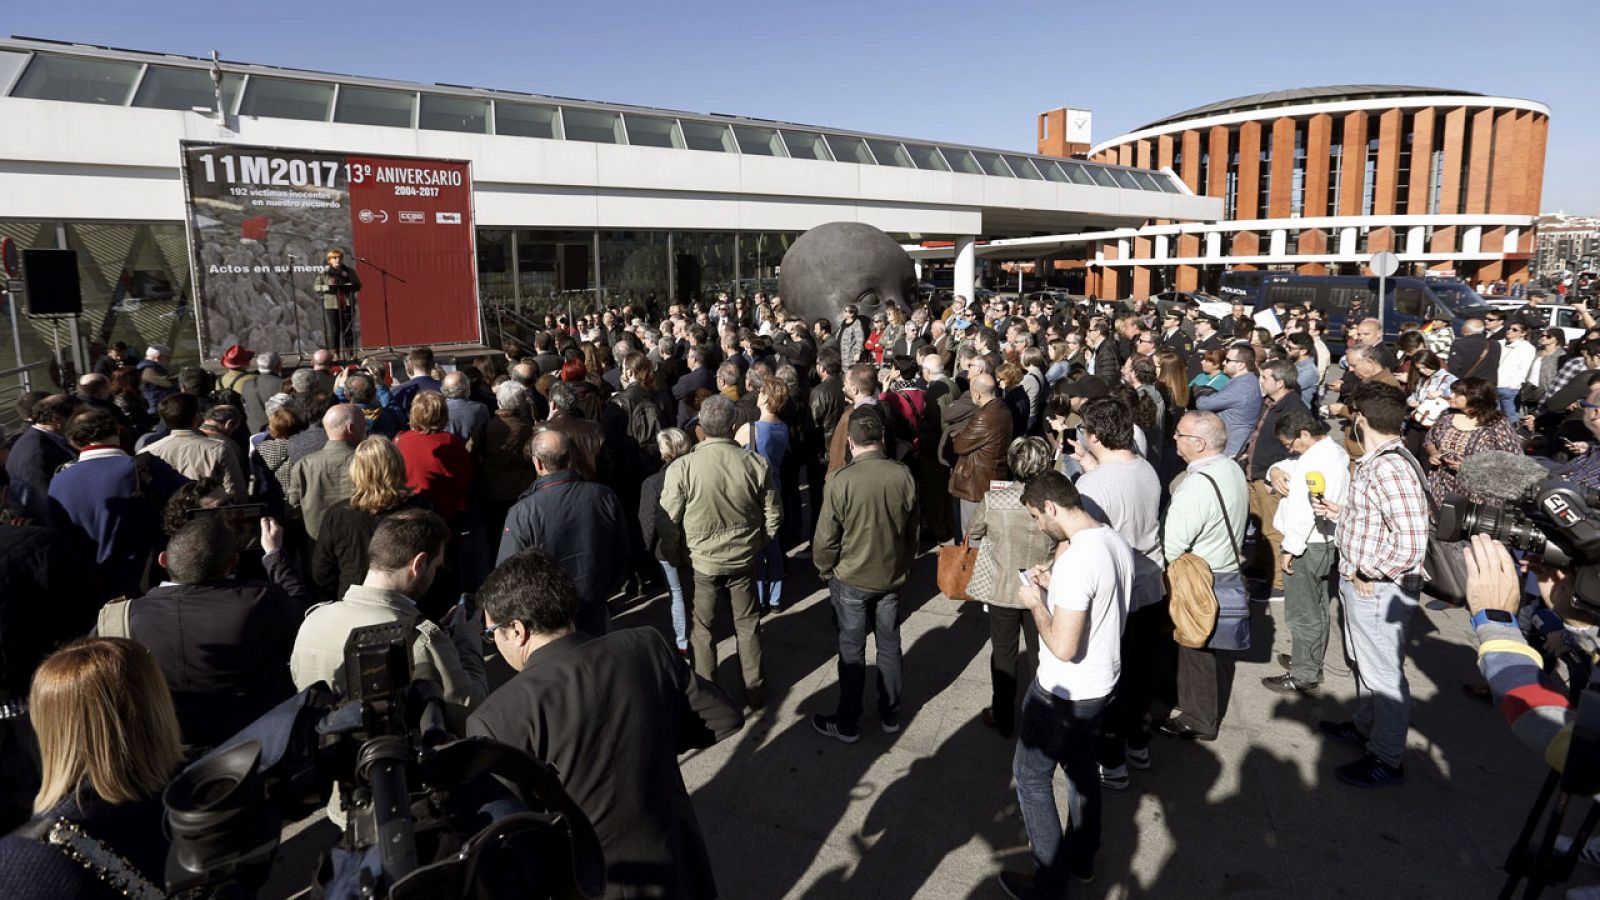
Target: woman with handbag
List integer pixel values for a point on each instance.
(1010, 542)
(1429, 383)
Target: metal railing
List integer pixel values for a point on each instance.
(14, 383)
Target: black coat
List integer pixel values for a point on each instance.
(339, 558)
(701, 379)
(612, 714)
(1269, 450)
(34, 459)
(224, 647)
(1475, 356)
(46, 599)
(31, 869)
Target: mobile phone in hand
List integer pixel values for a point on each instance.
(1022, 576)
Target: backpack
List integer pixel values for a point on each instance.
(115, 619)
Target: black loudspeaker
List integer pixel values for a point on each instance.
(573, 268)
(50, 280)
(688, 271)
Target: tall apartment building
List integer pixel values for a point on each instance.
(1566, 244)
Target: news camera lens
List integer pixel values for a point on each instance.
(218, 815)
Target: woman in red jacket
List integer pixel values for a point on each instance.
(438, 466)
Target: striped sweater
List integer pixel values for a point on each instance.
(1539, 713)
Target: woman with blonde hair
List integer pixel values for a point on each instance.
(438, 466)
(770, 437)
(378, 482)
(108, 745)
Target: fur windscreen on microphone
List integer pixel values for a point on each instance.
(1500, 475)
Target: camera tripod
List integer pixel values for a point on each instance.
(1540, 865)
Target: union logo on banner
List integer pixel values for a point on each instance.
(444, 218)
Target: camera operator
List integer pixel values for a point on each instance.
(611, 714)
(338, 284)
(405, 554)
(1539, 712)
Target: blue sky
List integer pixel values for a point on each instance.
(969, 72)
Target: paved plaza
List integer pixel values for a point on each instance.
(930, 812)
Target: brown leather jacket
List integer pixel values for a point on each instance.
(980, 448)
(588, 444)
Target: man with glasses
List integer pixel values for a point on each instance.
(1239, 401)
(1495, 322)
(1516, 359)
(611, 714)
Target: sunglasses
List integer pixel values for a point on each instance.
(1587, 405)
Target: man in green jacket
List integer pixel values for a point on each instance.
(718, 509)
(866, 539)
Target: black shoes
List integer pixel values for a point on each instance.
(1177, 728)
(1371, 772)
(1288, 684)
(1343, 732)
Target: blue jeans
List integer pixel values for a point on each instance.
(1056, 732)
(769, 575)
(1508, 402)
(853, 606)
(680, 617)
(1375, 640)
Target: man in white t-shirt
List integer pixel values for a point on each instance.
(1080, 623)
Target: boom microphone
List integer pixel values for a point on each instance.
(1500, 475)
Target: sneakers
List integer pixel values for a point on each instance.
(1114, 779)
(1285, 661)
(829, 726)
(1343, 732)
(1371, 772)
(1138, 759)
(890, 722)
(1288, 684)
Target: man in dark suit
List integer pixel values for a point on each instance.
(611, 714)
(1474, 353)
(700, 377)
(1206, 338)
(38, 453)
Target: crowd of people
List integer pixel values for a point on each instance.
(1104, 459)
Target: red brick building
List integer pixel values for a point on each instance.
(1316, 180)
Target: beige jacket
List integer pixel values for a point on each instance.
(319, 647)
(196, 455)
(1006, 531)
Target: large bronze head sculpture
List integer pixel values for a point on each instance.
(842, 263)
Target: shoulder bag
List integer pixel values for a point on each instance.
(1192, 589)
(1445, 567)
(956, 562)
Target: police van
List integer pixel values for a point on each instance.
(1347, 299)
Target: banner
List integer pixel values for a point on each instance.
(262, 219)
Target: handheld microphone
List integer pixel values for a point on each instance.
(1500, 475)
(1316, 485)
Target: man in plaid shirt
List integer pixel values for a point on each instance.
(1382, 538)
